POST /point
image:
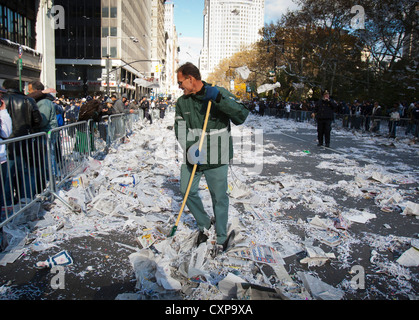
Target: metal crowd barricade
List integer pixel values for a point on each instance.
(24, 176)
(129, 121)
(155, 114)
(116, 127)
(377, 124)
(38, 165)
(69, 147)
(98, 136)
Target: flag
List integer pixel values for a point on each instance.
(268, 87)
(243, 72)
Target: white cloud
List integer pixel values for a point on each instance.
(274, 9)
(190, 48)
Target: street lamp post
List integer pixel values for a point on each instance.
(135, 61)
(108, 58)
(333, 76)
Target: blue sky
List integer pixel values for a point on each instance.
(189, 23)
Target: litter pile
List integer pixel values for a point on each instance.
(137, 187)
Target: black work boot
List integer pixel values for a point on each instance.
(202, 237)
(220, 248)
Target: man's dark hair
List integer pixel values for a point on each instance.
(37, 85)
(189, 69)
(11, 84)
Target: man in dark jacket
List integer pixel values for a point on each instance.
(26, 119)
(23, 110)
(121, 105)
(145, 106)
(324, 114)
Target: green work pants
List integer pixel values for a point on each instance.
(217, 185)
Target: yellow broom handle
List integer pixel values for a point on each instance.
(201, 142)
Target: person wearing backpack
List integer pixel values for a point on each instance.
(46, 106)
(59, 111)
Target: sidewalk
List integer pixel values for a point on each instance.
(313, 222)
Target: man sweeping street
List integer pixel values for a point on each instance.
(217, 149)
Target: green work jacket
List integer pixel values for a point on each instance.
(189, 121)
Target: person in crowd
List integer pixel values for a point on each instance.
(122, 105)
(107, 109)
(133, 106)
(26, 119)
(49, 121)
(356, 112)
(376, 115)
(45, 105)
(262, 108)
(162, 108)
(393, 121)
(367, 113)
(71, 115)
(5, 132)
(119, 105)
(145, 106)
(415, 113)
(213, 160)
(324, 115)
(59, 111)
(287, 110)
(345, 110)
(257, 106)
(410, 127)
(304, 109)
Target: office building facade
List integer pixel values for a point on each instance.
(103, 47)
(23, 26)
(172, 52)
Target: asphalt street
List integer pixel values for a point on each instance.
(101, 269)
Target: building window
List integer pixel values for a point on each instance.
(113, 52)
(16, 27)
(114, 12)
(105, 32)
(105, 12)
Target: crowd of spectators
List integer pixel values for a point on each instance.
(70, 107)
(363, 115)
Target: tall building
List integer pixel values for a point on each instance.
(410, 44)
(172, 51)
(158, 42)
(24, 28)
(103, 39)
(229, 25)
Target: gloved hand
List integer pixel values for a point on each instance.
(211, 93)
(196, 157)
